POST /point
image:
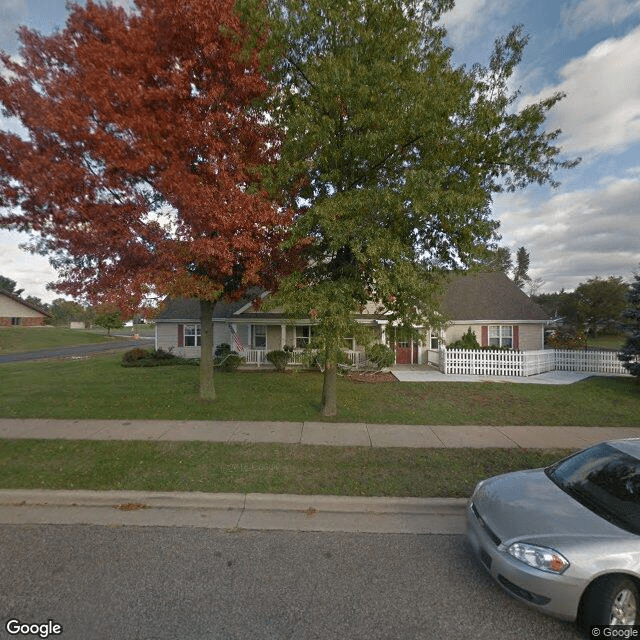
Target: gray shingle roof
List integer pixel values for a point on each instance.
(488, 296)
(189, 308)
(476, 296)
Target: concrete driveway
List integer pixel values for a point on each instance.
(432, 375)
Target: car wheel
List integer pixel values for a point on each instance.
(610, 601)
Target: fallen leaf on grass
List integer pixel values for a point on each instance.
(130, 506)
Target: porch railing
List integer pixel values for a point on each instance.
(299, 357)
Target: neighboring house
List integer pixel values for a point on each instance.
(14, 311)
(490, 304)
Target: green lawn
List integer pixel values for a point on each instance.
(615, 342)
(100, 388)
(19, 339)
(260, 468)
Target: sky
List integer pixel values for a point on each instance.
(588, 49)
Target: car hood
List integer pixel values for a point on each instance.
(528, 505)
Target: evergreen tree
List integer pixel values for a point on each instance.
(630, 354)
(520, 271)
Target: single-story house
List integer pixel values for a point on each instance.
(489, 303)
(14, 311)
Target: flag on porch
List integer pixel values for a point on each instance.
(236, 338)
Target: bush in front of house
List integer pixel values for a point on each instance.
(278, 358)
(318, 359)
(468, 341)
(381, 355)
(566, 337)
(225, 358)
(152, 358)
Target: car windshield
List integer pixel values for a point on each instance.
(605, 480)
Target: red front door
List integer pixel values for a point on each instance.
(405, 354)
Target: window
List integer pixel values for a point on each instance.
(304, 335)
(258, 336)
(349, 344)
(501, 336)
(191, 335)
(16, 321)
(434, 342)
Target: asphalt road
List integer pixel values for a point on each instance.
(144, 583)
(77, 351)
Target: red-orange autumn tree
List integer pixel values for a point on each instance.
(141, 151)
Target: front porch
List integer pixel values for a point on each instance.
(298, 357)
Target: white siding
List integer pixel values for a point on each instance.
(11, 309)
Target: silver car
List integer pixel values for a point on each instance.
(566, 539)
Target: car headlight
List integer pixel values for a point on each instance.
(542, 558)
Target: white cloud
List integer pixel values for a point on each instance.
(601, 112)
(12, 13)
(576, 235)
(31, 272)
(586, 15)
(475, 24)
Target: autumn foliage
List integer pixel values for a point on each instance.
(142, 147)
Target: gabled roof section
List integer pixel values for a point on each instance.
(487, 295)
(188, 309)
(476, 296)
(16, 298)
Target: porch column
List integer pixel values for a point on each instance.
(383, 332)
(283, 335)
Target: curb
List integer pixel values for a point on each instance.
(235, 511)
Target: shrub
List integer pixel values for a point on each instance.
(381, 355)
(222, 350)
(468, 341)
(278, 358)
(564, 337)
(152, 358)
(225, 359)
(134, 355)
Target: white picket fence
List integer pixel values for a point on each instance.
(528, 363)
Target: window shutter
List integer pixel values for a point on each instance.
(516, 337)
(181, 335)
(485, 336)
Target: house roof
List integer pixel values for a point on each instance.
(18, 299)
(487, 295)
(189, 308)
(476, 296)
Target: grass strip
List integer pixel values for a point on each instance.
(260, 468)
(19, 339)
(100, 388)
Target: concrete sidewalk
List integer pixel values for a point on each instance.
(266, 511)
(316, 433)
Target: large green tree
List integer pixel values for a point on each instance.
(10, 285)
(392, 155)
(600, 303)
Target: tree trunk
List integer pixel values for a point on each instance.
(207, 389)
(329, 404)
